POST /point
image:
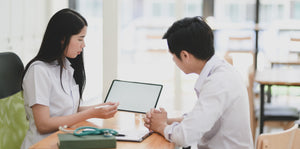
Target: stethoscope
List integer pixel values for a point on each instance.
(88, 130)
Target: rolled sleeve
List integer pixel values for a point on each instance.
(168, 131)
(37, 86)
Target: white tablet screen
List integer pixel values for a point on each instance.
(134, 96)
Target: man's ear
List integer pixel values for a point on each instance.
(184, 55)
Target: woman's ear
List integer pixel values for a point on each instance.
(63, 41)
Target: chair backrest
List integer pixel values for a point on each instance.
(11, 69)
(251, 74)
(13, 123)
(240, 43)
(296, 143)
(287, 139)
(253, 119)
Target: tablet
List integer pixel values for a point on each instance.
(134, 96)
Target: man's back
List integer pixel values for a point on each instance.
(220, 118)
(232, 125)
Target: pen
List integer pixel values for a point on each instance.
(102, 106)
(120, 135)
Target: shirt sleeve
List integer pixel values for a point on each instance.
(37, 85)
(207, 111)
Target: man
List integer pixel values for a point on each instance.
(220, 118)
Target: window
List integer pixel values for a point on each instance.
(92, 11)
(143, 54)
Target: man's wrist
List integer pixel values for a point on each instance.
(162, 128)
(169, 121)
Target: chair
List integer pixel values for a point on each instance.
(241, 60)
(273, 114)
(240, 43)
(13, 123)
(253, 118)
(294, 45)
(287, 139)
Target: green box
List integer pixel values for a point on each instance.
(70, 141)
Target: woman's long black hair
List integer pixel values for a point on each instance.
(61, 27)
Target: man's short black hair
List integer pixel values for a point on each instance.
(193, 35)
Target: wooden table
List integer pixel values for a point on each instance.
(121, 121)
(286, 77)
(287, 62)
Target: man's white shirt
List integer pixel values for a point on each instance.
(220, 118)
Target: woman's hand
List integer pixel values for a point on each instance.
(105, 110)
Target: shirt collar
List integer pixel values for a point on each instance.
(67, 64)
(206, 71)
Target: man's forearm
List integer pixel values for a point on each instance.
(172, 120)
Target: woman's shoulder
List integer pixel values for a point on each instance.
(41, 65)
(44, 64)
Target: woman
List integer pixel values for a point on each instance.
(54, 80)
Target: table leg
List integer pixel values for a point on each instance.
(269, 94)
(262, 106)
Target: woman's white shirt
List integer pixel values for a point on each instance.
(42, 84)
(220, 117)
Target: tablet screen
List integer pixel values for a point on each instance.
(134, 96)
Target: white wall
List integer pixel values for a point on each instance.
(23, 23)
(110, 43)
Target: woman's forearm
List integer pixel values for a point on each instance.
(46, 124)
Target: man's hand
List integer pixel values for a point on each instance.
(156, 120)
(147, 119)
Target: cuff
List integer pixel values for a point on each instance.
(168, 131)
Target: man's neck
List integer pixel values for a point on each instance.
(199, 65)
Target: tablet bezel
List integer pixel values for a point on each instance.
(116, 80)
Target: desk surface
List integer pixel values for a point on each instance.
(285, 62)
(121, 121)
(291, 59)
(278, 77)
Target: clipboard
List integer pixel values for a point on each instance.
(133, 135)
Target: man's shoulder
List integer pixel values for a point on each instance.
(225, 76)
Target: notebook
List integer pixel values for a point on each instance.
(133, 135)
(134, 96)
